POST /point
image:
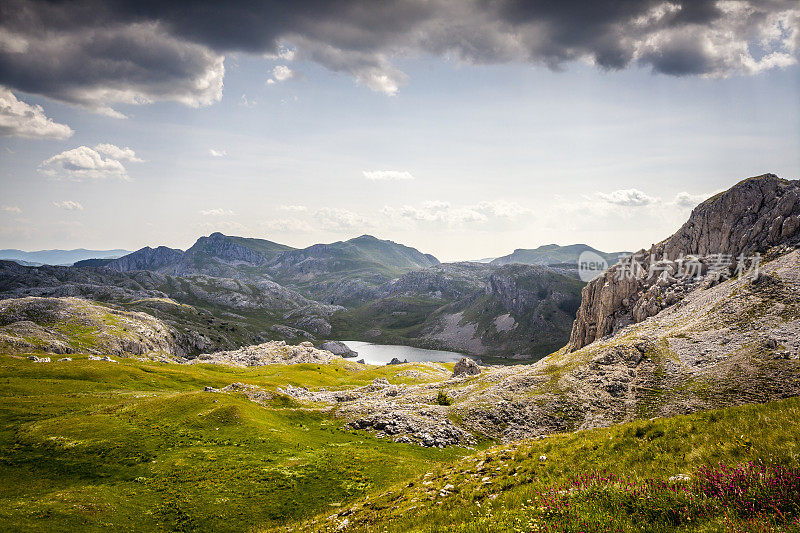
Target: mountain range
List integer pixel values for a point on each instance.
(520, 306)
(59, 257)
(363, 288)
(165, 385)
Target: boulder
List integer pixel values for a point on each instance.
(338, 348)
(396, 361)
(466, 366)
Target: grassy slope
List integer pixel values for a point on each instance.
(88, 445)
(508, 488)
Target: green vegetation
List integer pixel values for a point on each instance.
(442, 399)
(614, 479)
(137, 446)
(90, 445)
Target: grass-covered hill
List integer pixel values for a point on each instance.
(210, 313)
(730, 470)
(140, 446)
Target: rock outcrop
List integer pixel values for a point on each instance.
(338, 348)
(719, 239)
(466, 367)
(73, 325)
(268, 353)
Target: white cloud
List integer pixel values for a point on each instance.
(89, 163)
(444, 213)
(335, 219)
(627, 198)
(387, 175)
(684, 199)
(18, 119)
(69, 205)
(115, 152)
(216, 212)
(11, 209)
(224, 226)
(287, 225)
(502, 208)
(217, 153)
(370, 69)
(282, 73)
(293, 208)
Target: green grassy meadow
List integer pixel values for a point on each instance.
(137, 446)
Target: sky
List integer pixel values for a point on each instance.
(465, 129)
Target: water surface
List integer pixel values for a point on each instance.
(380, 354)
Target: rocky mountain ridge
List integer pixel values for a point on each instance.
(754, 215)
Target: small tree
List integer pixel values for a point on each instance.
(442, 398)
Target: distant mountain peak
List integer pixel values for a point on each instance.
(550, 254)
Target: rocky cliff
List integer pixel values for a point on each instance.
(721, 235)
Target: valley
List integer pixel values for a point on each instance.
(204, 390)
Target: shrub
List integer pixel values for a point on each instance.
(442, 398)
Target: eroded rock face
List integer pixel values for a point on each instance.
(754, 215)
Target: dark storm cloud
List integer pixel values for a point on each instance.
(95, 53)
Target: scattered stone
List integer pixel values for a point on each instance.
(680, 478)
(209, 388)
(39, 359)
(104, 358)
(65, 359)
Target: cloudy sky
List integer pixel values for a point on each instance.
(466, 129)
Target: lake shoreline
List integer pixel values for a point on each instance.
(382, 354)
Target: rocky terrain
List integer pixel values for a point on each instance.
(72, 325)
(218, 313)
(732, 343)
(724, 341)
(268, 353)
(756, 214)
(235, 291)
